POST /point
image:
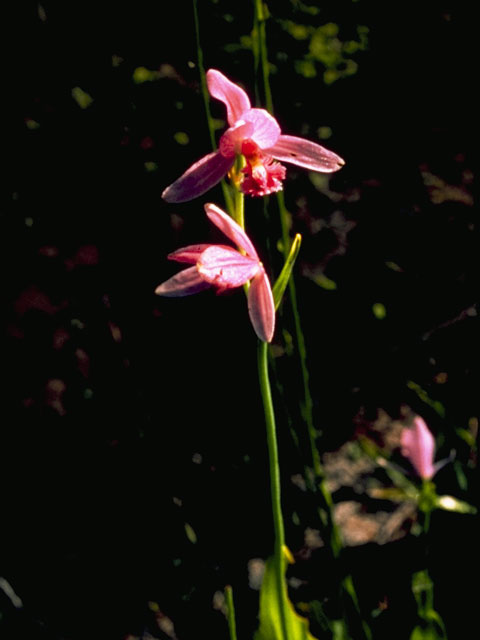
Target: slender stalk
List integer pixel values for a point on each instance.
(238, 195)
(261, 52)
(206, 101)
(326, 510)
(261, 65)
(232, 627)
(275, 489)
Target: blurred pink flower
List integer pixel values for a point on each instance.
(418, 445)
(256, 135)
(224, 267)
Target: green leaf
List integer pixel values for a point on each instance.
(425, 633)
(449, 503)
(190, 533)
(395, 494)
(282, 280)
(324, 282)
(424, 397)
(81, 97)
(379, 310)
(142, 74)
(270, 615)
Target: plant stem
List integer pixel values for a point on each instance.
(261, 66)
(261, 53)
(275, 489)
(238, 195)
(325, 511)
(232, 627)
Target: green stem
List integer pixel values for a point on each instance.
(261, 64)
(275, 489)
(232, 627)
(326, 513)
(426, 491)
(261, 52)
(206, 101)
(239, 198)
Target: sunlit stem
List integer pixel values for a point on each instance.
(206, 101)
(422, 583)
(261, 52)
(232, 627)
(425, 502)
(261, 63)
(275, 488)
(239, 198)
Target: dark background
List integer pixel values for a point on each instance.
(126, 416)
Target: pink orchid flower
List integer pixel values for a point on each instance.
(256, 135)
(418, 445)
(224, 267)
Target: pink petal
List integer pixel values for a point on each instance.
(226, 268)
(199, 178)
(183, 283)
(261, 307)
(418, 444)
(231, 140)
(305, 154)
(233, 97)
(266, 128)
(231, 229)
(188, 254)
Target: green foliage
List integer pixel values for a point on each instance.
(81, 97)
(427, 632)
(432, 627)
(282, 280)
(379, 311)
(326, 50)
(190, 533)
(449, 503)
(324, 282)
(424, 397)
(270, 616)
(142, 74)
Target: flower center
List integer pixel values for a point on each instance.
(249, 148)
(261, 175)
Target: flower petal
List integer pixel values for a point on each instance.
(231, 229)
(231, 140)
(233, 97)
(261, 307)
(183, 283)
(226, 268)
(418, 444)
(305, 154)
(266, 128)
(188, 254)
(199, 178)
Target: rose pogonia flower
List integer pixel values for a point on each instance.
(418, 445)
(224, 267)
(256, 135)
